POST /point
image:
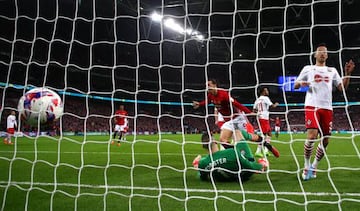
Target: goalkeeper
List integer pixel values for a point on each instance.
(232, 164)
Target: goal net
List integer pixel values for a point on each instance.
(154, 57)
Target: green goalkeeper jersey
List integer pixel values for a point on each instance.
(224, 165)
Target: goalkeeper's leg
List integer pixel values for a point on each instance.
(257, 138)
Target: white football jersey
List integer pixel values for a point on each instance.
(321, 79)
(11, 121)
(262, 105)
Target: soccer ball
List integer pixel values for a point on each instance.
(40, 105)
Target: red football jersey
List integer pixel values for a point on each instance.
(222, 102)
(120, 117)
(277, 122)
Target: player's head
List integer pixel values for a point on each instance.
(13, 112)
(205, 140)
(208, 143)
(264, 91)
(321, 54)
(277, 117)
(121, 107)
(211, 86)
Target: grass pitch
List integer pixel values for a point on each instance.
(154, 172)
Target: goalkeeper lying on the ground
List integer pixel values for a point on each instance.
(225, 165)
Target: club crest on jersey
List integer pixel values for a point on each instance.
(308, 122)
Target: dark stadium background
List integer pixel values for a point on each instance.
(145, 51)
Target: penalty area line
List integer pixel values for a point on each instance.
(137, 153)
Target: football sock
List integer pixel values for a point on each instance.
(319, 155)
(308, 148)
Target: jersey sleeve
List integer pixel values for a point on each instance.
(336, 79)
(268, 101)
(303, 75)
(203, 102)
(245, 154)
(255, 104)
(239, 106)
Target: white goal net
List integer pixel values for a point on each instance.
(155, 57)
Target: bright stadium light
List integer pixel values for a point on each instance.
(171, 24)
(156, 17)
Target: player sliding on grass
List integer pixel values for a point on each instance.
(318, 104)
(232, 164)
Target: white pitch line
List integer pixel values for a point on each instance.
(138, 153)
(6, 183)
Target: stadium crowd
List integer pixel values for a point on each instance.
(96, 116)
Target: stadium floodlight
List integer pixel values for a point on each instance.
(171, 24)
(156, 17)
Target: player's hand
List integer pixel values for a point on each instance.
(304, 83)
(349, 67)
(264, 162)
(196, 160)
(196, 104)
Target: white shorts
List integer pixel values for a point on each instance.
(121, 128)
(238, 123)
(277, 128)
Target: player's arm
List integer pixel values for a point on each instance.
(299, 84)
(274, 105)
(239, 106)
(197, 104)
(349, 68)
(216, 116)
(246, 159)
(301, 80)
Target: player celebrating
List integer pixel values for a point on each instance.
(11, 126)
(121, 124)
(224, 165)
(261, 107)
(229, 108)
(318, 104)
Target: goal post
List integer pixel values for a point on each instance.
(155, 57)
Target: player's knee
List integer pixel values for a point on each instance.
(310, 142)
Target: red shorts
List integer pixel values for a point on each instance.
(319, 119)
(10, 131)
(265, 126)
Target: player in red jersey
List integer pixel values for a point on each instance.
(277, 125)
(230, 109)
(121, 124)
(11, 126)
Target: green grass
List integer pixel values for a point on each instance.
(154, 172)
